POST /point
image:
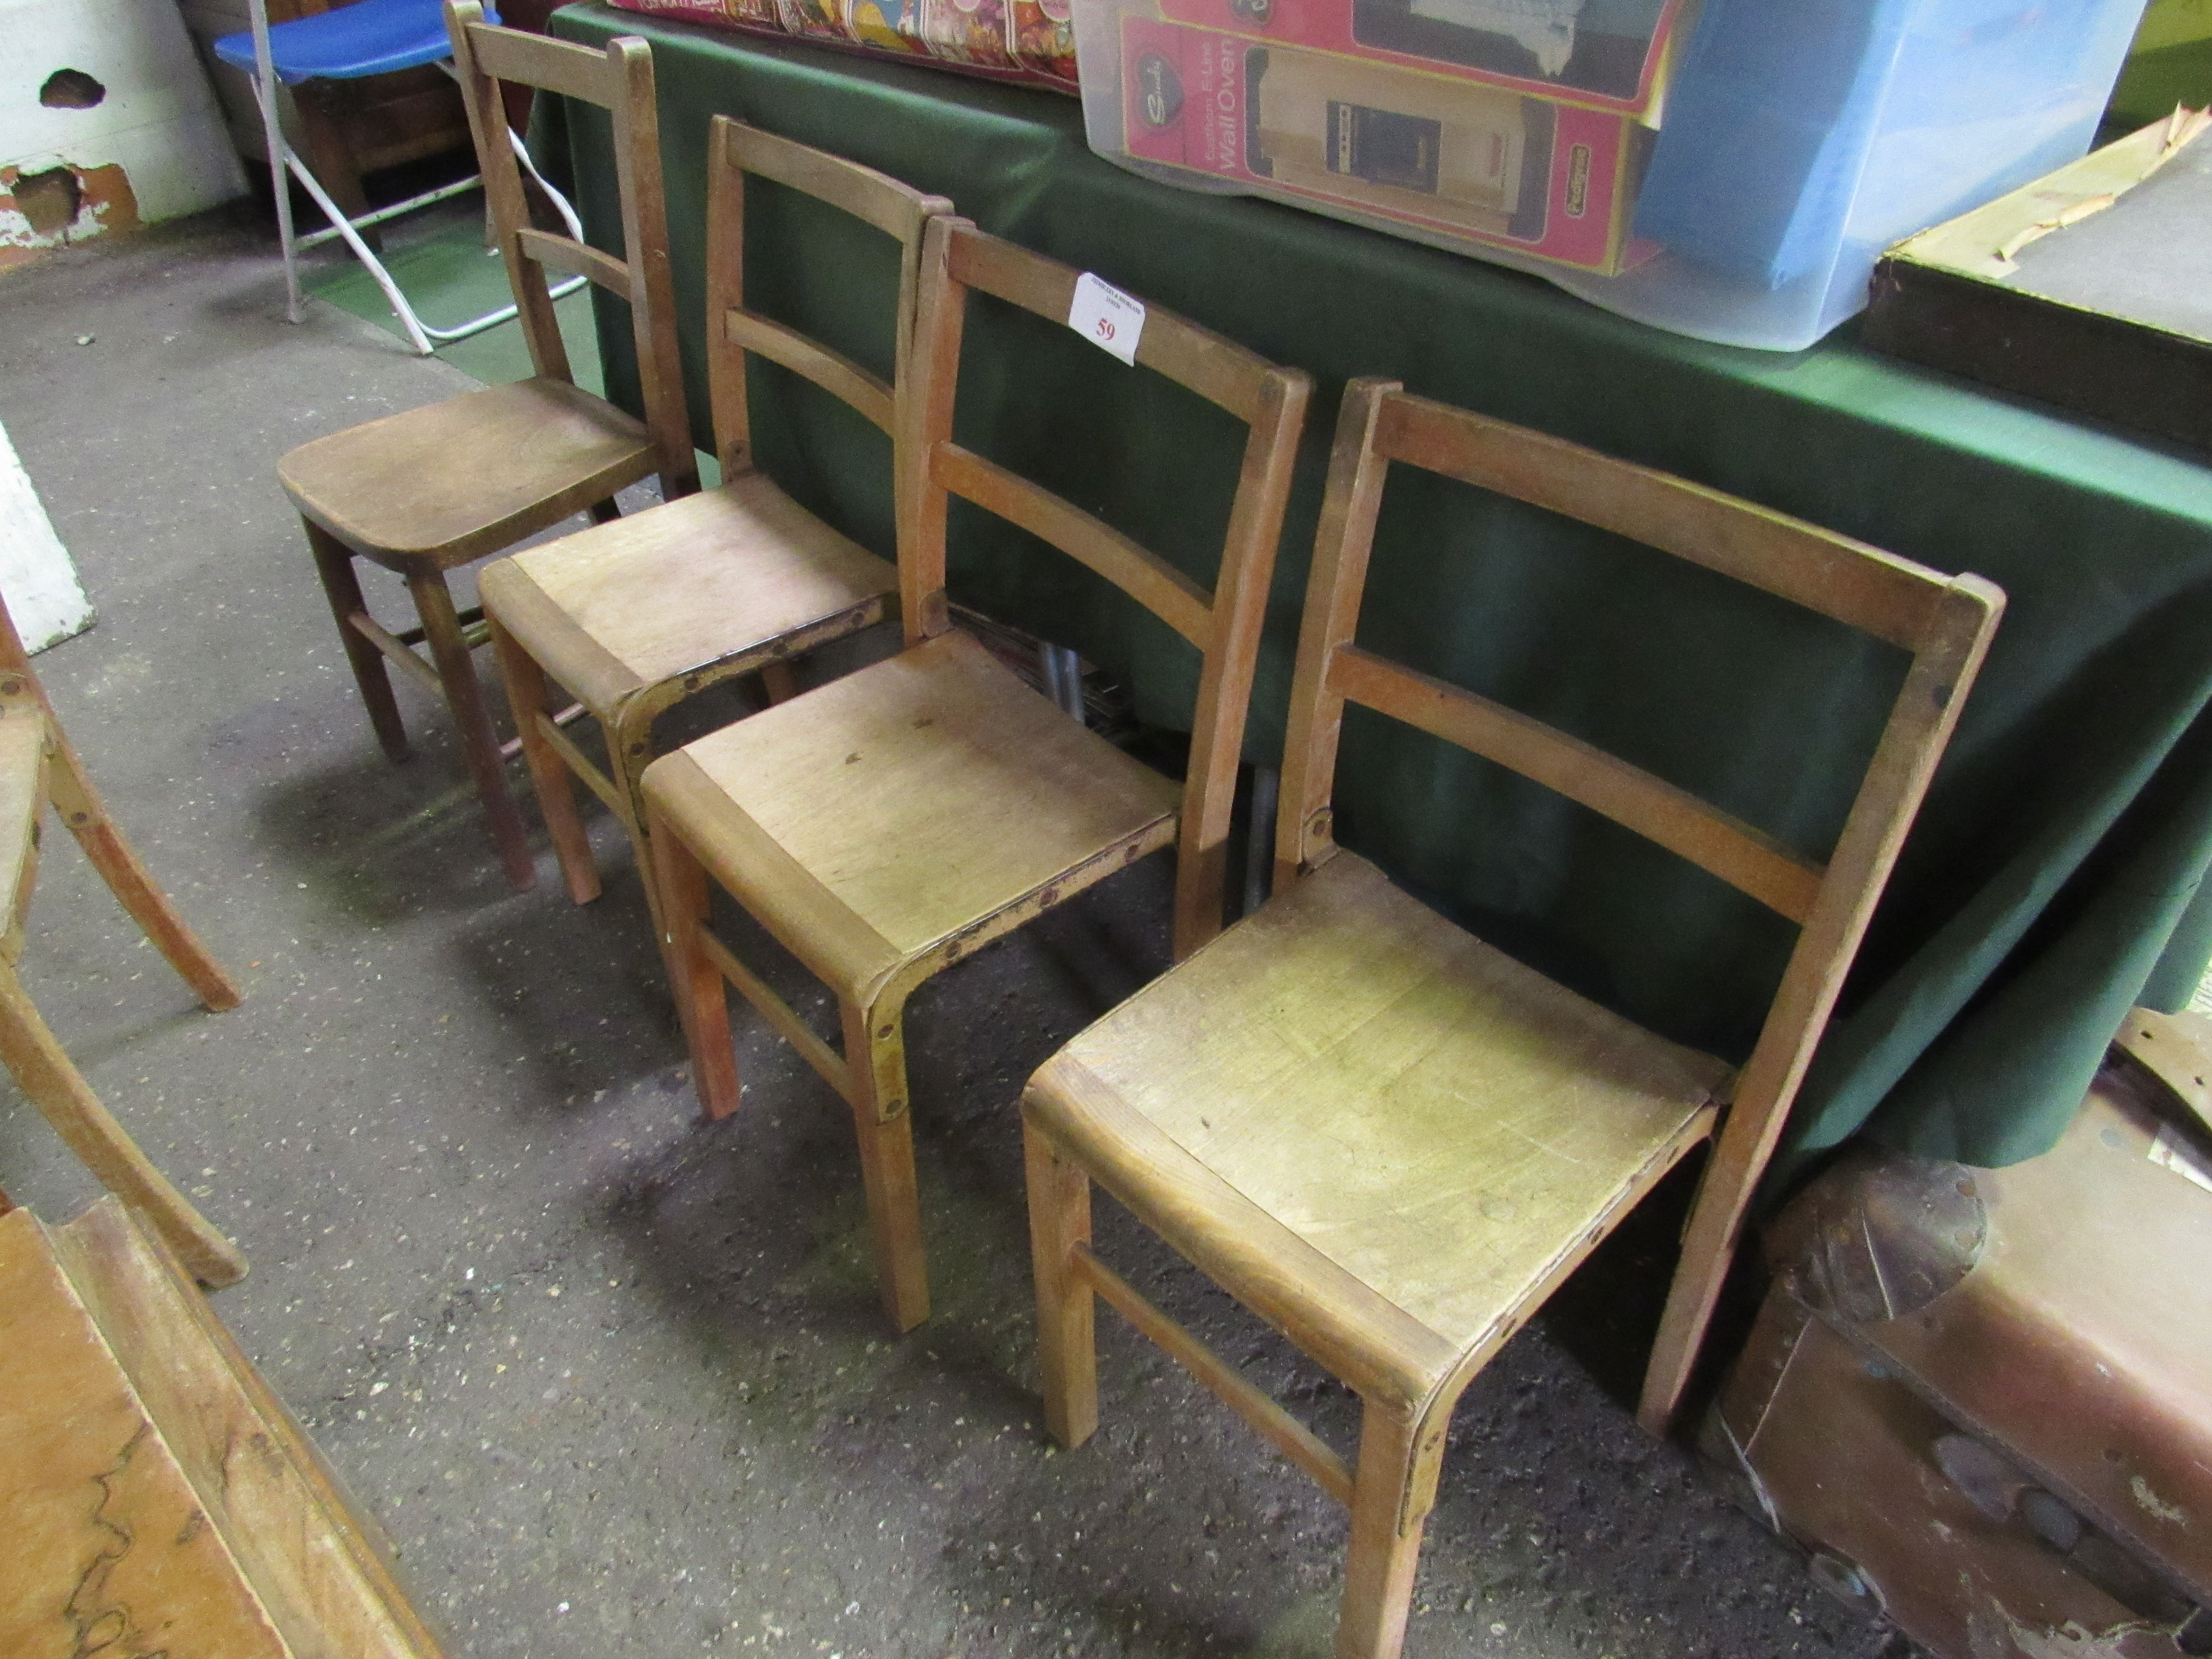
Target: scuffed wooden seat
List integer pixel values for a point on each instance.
(1411, 1126)
(391, 490)
(22, 794)
(910, 811)
(631, 619)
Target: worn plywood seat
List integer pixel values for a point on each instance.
(38, 766)
(884, 824)
(891, 820)
(1371, 1101)
(159, 1499)
(1381, 1134)
(427, 489)
(631, 619)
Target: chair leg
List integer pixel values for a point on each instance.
(1392, 1491)
(875, 1062)
(629, 737)
(449, 649)
(43, 1070)
(334, 564)
(85, 815)
(549, 774)
(703, 1003)
(1067, 1357)
(779, 681)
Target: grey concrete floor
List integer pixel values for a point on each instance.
(615, 1379)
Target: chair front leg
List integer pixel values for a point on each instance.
(1392, 1492)
(85, 815)
(629, 750)
(371, 673)
(1067, 1357)
(703, 1003)
(449, 650)
(549, 774)
(875, 1066)
(43, 1070)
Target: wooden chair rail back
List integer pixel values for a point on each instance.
(1945, 622)
(1224, 624)
(896, 209)
(619, 80)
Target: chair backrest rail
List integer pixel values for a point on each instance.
(554, 66)
(898, 212)
(1145, 577)
(838, 375)
(1197, 359)
(1746, 858)
(1849, 581)
(890, 205)
(567, 253)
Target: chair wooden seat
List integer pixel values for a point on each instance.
(1349, 1082)
(726, 580)
(904, 813)
(390, 491)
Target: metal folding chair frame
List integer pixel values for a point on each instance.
(425, 339)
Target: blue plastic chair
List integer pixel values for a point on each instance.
(369, 37)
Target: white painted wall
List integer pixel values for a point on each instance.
(159, 120)
(37, 576)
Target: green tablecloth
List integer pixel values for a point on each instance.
(2052, 880)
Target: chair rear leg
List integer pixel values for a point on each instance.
(85, 815)
(1059, 1221)
(875, 1063)
(703, 1003)
(549, 774)
(1392, 1491)
(43, 1070)
(371, 673)
(449, 650)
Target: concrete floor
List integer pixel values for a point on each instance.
(617, 1380)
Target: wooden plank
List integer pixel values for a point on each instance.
(106, 1546)
(536, 60)
(836, 374)
(1272, 1424)
(1746, 858)
(1145, 577)
(1195, 358)
(891, 206)
(1891, 597)
(317, 1570)
(567, 253)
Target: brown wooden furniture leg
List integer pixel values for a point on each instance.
(83, 810)
(341, 586)
(44, 1072)
(875, 1066)
(703, 1004)
(449, 649)
(1392, 1492)
(556, 794)
(1059, 1222)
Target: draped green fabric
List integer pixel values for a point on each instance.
(2053, 878)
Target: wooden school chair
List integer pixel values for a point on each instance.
(634, 616)
(38, 766)
(889, 824)
(423, 491)
(1387, 1137)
